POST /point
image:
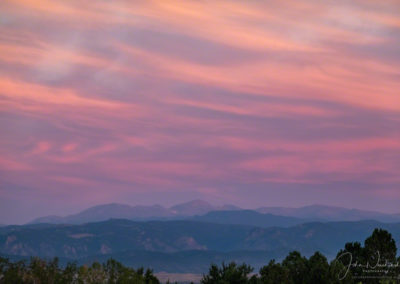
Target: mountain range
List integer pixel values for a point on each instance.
(140, 213)
(184, 243)
(187, 237)
(196, 208)
(330, 213)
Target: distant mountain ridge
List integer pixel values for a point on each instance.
(200, 208)
(330, 213)
(250, 218)
(140, 212)
(124, 240)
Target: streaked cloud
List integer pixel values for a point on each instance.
(162, 101)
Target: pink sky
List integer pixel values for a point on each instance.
(255, 103)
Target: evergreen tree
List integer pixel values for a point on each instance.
(380, 246)
(297, 267)
(318, 269)
(229, 274)
(274, 273)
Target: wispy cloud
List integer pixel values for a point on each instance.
(132, 100)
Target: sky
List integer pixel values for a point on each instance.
(253, 103)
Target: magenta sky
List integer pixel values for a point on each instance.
(254, 103)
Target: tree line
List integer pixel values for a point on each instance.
(373, 262)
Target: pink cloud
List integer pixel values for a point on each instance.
(129, 97)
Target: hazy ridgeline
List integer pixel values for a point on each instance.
(374, 262)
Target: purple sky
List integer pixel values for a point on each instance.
(254, 103)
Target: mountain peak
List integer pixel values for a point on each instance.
(194, 207)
